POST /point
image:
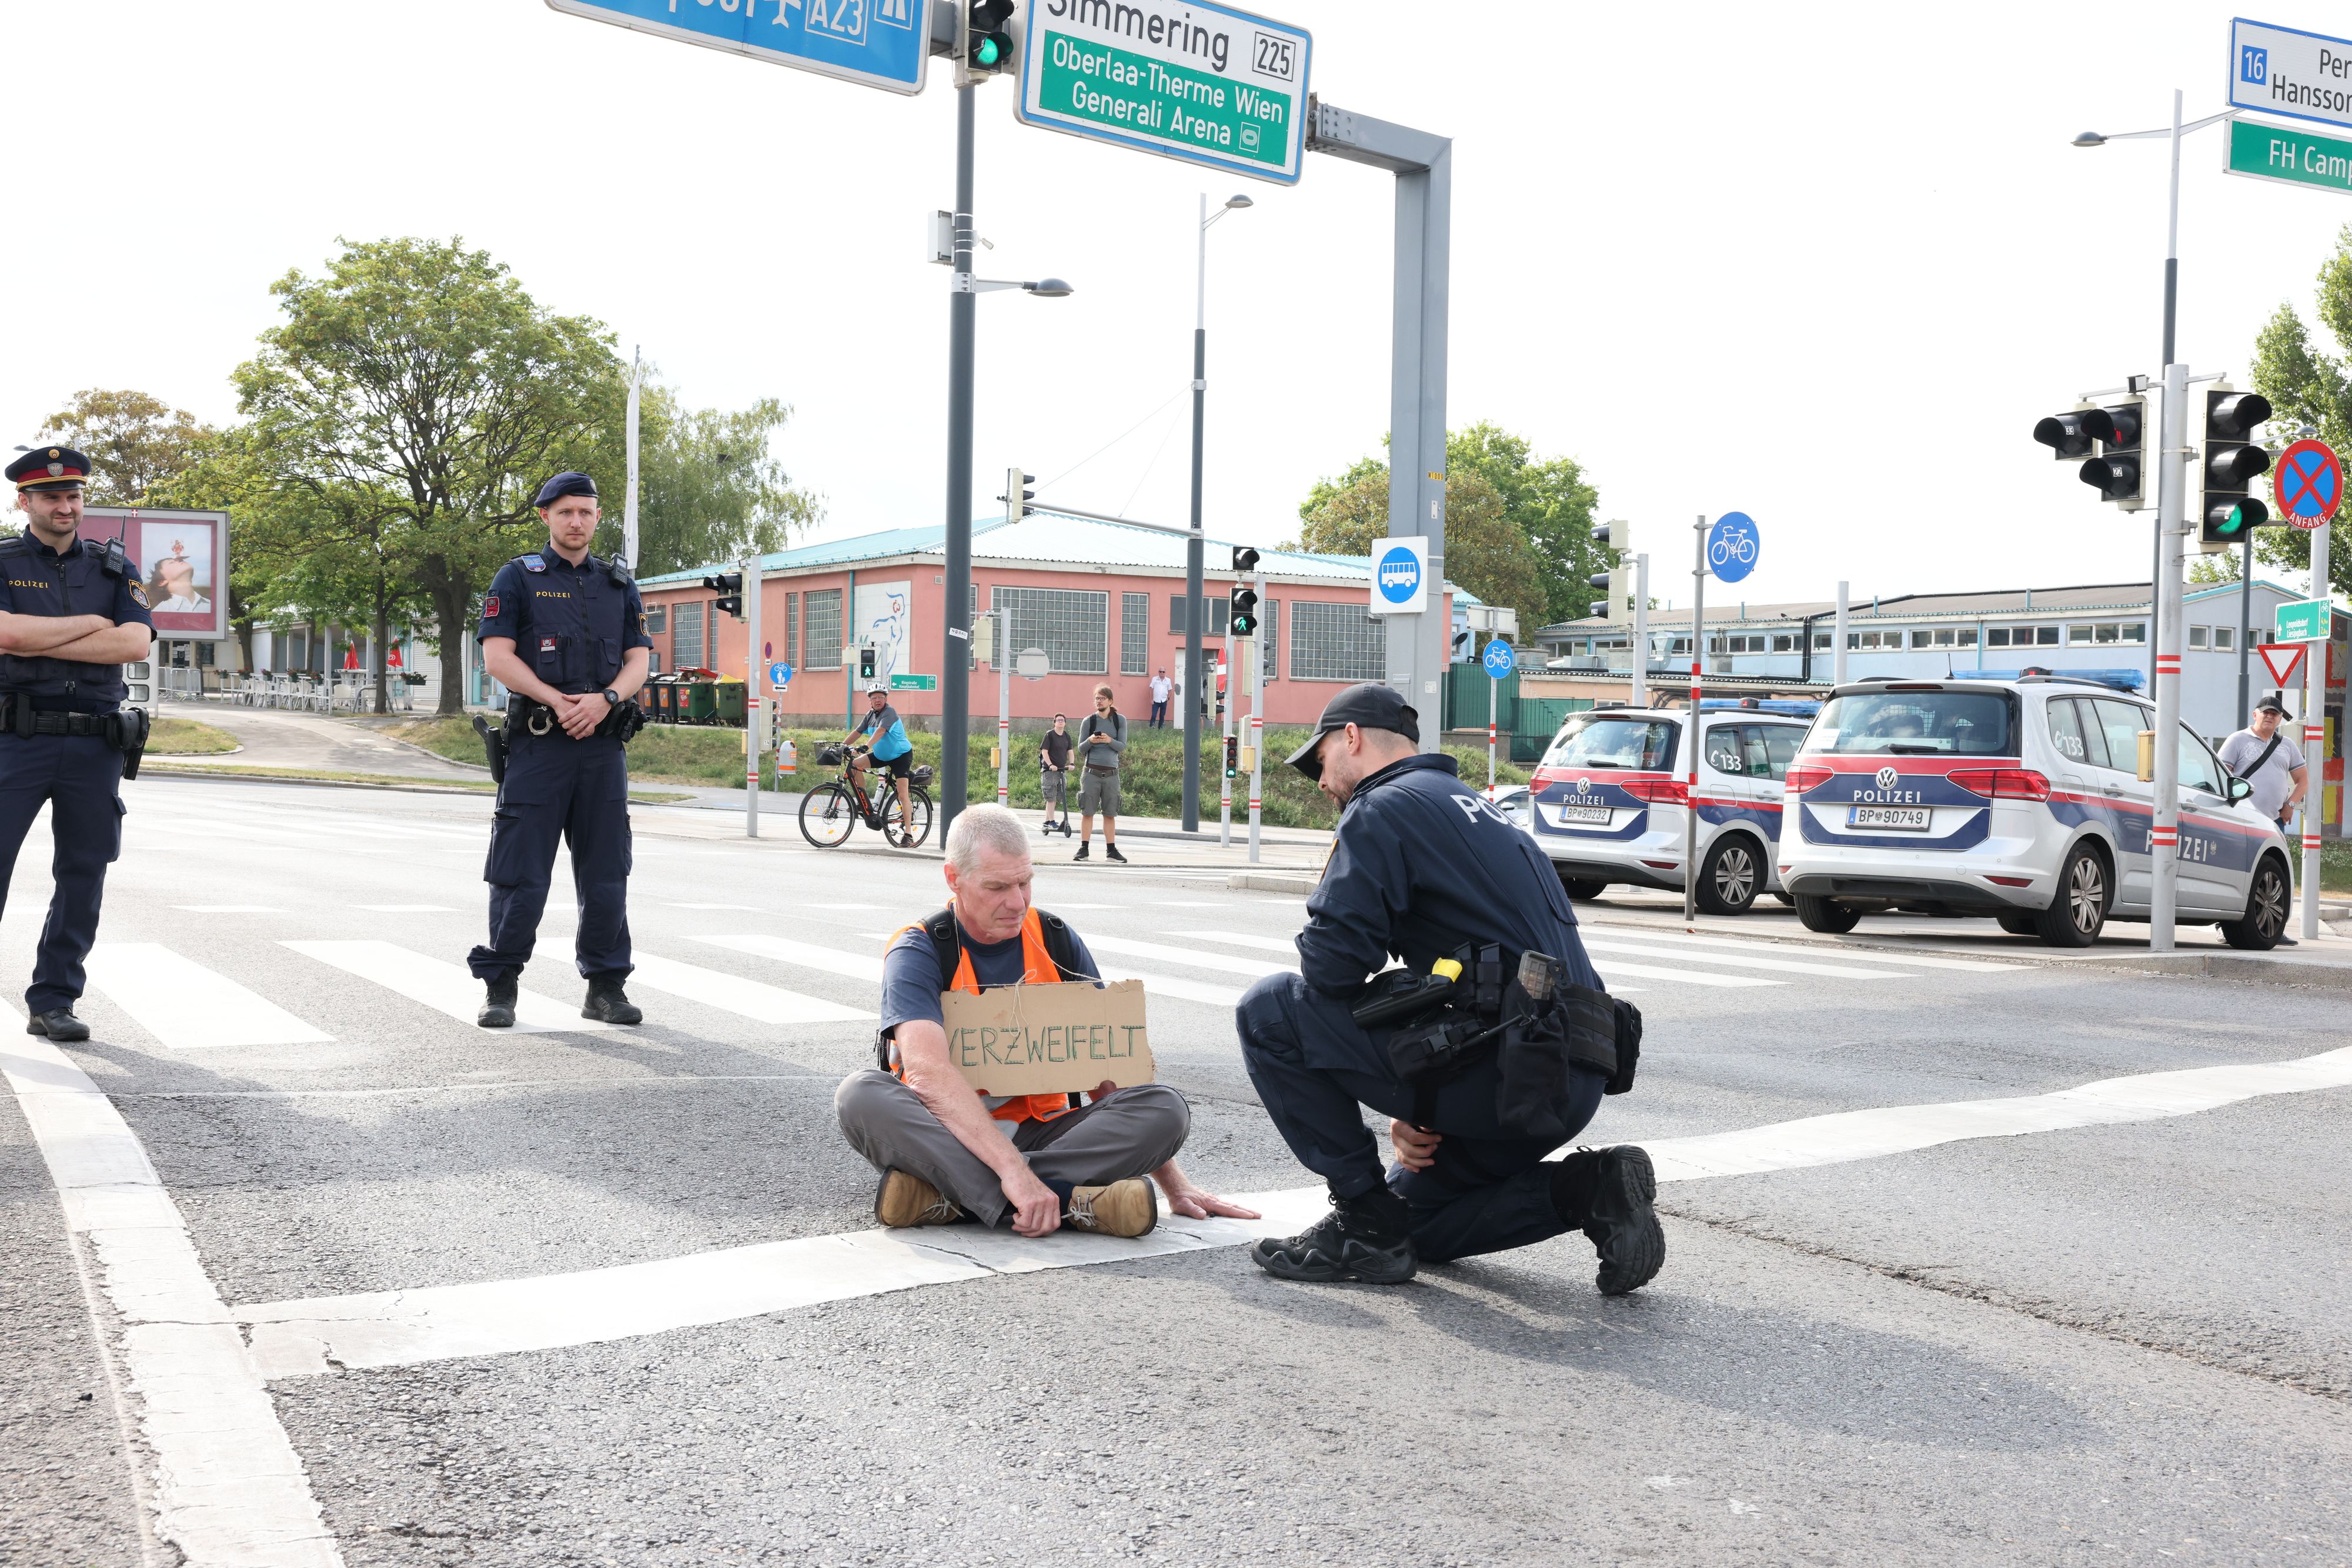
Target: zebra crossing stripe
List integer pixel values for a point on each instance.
(187, 1006)
(734, 994)
(807, 955)
(444, 987)
(1740, 960)
(1126, 948)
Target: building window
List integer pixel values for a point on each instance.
(792, 628)
(2225, 638)
(1072, 624)
(1968, 636)
(823, 637)
(1269, 633)
(1825, 640)
(657, 618)
(971, 620)
(1682, 645)
(1873, 639)
(687, 650)
(1337, 643)
(2021, 637)
(2200, 637)
(1784, 643)
(1214, 626)
(1135, 633)
(2079, 636)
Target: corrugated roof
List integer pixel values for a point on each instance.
(2021, 601)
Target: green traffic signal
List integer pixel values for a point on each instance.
(986, 54)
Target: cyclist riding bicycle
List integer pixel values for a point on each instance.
(891, 750)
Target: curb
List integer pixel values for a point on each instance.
(417, 789)
(2245, 970)
(1272, 882)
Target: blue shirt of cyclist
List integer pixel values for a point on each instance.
(37, 580)
(889, 733)
(572, 625)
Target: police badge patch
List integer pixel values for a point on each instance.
(534, 563)
(547, 644)
(138, 593)
(490, 610)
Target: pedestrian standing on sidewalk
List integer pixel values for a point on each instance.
(2262, 756)
(1101, 739)
(1054, 769)
(1161, 690)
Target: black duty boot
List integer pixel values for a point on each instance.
(498, 1004)
(57, 1023)
(607, 1003)
(1607, 1194)
(1367, 1238)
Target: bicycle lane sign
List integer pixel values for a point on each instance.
(1732, 547)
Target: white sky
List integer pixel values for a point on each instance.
(1826, 266)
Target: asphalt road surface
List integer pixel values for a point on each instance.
(1971, 1258)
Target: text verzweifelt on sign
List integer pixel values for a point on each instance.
(1182, 78)
(1400, 575)
(2284, 70)
(875, 42)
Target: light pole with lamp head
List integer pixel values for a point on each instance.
(1195, 610)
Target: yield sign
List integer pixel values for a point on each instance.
(2308, 483)
(2272, 652)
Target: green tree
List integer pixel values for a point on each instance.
(707, 489)
(416, 388)
(1484, 550)
(2309, 385)
(134, 441)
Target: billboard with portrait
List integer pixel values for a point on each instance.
(182, 559)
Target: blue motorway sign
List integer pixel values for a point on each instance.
(1732, 546)
(877, 43)
(1498, 659)
(779, 674)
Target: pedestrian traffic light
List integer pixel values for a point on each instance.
(1240, 611)
(2117, 472)
(1016, 496)
(988, 48)
(1245, 561)
(866, 662)
(1232, 755)
(1614, 586)
(2227, 463)
(728, 586)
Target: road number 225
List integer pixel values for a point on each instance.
(1274, 57)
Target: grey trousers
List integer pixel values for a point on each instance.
(1131, 1133)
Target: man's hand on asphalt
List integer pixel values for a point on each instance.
(1038, 1211)
(1415, 1150)
(1198, 1203)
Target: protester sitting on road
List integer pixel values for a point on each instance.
(1101, 739)
(947, 1154)
(1423, 867)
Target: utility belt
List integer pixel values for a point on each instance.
(124, 729)
(526, 716)
(1487, 1003)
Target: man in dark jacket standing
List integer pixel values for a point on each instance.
(1422, 866)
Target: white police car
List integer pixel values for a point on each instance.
(1607, 802)
(2019, 799)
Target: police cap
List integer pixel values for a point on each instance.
(50, 468)
(572, 483)
(1367, 706)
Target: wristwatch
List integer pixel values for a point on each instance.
(611, 697)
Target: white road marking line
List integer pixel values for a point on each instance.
(1738, 960)
(1608, 967)
(188, 1006)
(230, 1492)
(230, 908)
(444, 987)
(733, 994)
(400, 1328)
(1167, 955)
(1169, 986)
(746, 908)
(405, 908)
(807, 955)
(1844, 950)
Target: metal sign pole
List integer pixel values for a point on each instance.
(754, 710)
(629, 500)
(2164, 836)
(2245, 628)
(963, 322)
(1225, 726)
(1698, 673)
(1494, 695)
(1641, 631)
(2315, 732)
(1003, 707)
(1257, 725)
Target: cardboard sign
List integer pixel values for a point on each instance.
(1048, 1039)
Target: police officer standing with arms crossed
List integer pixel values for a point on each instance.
(1422, 868)
(73, 613)
(565, 635)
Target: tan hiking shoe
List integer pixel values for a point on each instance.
(903, 1200)
(1130, 1208)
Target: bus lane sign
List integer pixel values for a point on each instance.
(1184, 79)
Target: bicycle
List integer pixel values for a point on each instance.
(831, 811)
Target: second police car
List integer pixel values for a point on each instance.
(1607, 803)
(2021, 799)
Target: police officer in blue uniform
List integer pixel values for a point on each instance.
(73, 613)
(565, 634)
(1422, 866)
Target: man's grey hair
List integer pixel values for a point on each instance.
(980, 830)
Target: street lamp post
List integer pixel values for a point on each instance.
(1194, 611)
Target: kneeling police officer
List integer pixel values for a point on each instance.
(1489, 1051)
(73, 613)
(565, 634)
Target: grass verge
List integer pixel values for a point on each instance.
(386, 781)
(186, 737)
(2335, 867)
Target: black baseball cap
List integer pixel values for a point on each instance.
(1367, 706)
(2272, 704)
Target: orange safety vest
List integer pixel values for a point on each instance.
(1037, 968)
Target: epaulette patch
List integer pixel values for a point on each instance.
(490, 609)
(534, 563)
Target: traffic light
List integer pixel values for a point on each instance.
(2227, 463)
(1240, 611)
(1245, 561)
(2104, 438)
(865, 654)
(728, 586)
(1016, 497)
(1614, 587)
(988, 48)
(1232, 755)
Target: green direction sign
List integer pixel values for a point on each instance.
(2304, 620)
(914, 683)
(2290, 157)
(1198, 82)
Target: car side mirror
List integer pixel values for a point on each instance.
(2240, 789)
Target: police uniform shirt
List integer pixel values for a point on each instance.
(37, 580)
(572, 625)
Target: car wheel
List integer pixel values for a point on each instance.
(1581, 890)
(2267, 903)
(1823, 915)
(1731, 877)
(2018, 925)
(2076, 916)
